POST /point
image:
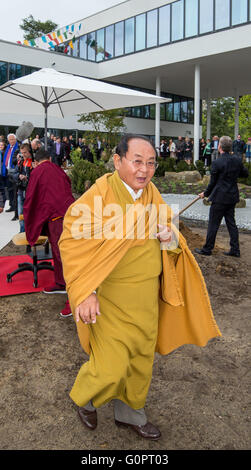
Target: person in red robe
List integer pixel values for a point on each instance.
(47, 199)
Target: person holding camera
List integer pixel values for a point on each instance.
(23, 171)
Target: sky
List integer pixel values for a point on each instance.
(63, 12)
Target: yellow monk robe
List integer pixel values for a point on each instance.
(149, 300)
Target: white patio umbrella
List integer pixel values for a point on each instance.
(64, 94)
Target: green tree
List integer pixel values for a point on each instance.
(34, 28)
(222, 117)
(110, 123)
(245, 117)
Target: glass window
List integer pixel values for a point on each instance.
(75, 51)
(146, 112)
(119, 38)
(169, 111)
(109, 41)
(164, 24)
(206, 16)
(176, 109)
(128, 111)
(190, 109)
(177, 20)
(91, 46)
(140, 32)
(152, 111)
(3, 72)
(129, 35)
(222, 14)
(191, 22)
(184, 113)
(69, 49)
(239, 11)
(137, 111)
(83, 47)
(100, 52)
(152, 20)
(162, 111)
(15, 71)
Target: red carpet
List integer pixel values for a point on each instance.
(22, 283)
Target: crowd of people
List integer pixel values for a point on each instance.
(182, 149)
(17, 161)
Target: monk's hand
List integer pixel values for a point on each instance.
(1, 210)
(88, 309)
(164, 234)
(201, 195)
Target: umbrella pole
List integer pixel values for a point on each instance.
(46, 116)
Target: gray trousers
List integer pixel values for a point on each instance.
(124, 413)
(215, 155)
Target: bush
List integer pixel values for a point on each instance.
(200, 167)
(165, 165)
(182, 165)
(84, 171)
(247, 180)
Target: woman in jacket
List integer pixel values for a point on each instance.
(188, 151)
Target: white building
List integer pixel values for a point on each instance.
(187, 50)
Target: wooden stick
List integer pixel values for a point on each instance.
(186, 207)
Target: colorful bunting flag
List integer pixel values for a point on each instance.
(79, 26)
(51, 44)
(26, 42)
(19, 42)
(71, 45)
(56, 41)
(32, 42)
(72, 27)
(66, 50)
(50, 37)
(65, 35)
(44, 38)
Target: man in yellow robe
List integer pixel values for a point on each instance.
(131, 295)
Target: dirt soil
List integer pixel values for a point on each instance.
(198, 396)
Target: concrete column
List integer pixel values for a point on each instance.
(157, 117)
(196, 112)
(209, 113)
(236, 118)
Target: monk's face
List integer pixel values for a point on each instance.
(136, 168)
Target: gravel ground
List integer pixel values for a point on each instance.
(199, 211)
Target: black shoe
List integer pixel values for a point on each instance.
(11, 209)
(232, 253)
(14, 218)
(202, 252)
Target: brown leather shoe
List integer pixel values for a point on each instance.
(88, 418)
(148, 430)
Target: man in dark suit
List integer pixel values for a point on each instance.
(224, 194)
(57, 152)
(239, 146)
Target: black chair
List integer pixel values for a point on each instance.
(21, 240)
